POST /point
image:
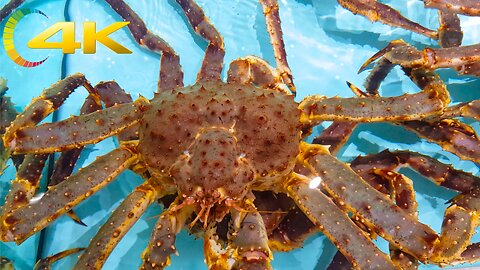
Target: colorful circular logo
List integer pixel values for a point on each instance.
(8, 32)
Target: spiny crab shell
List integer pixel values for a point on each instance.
(215, 133)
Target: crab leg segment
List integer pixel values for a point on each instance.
(452, 135)
(171, 74)
(339, 262)
(345, 185)
(213, 60)
(8, 8)
(20, 223)
(50, 99)
(450, 32)
(23, 188)
(162, 241)
(121, 220)
(69, 133)
(254, 70)
(335, 135)
(216, 256)
(65, 163)
(437, 172)
(399, 52)
(45, 264)
(272, 18)
(112, 94)
(375, 11)
(465, 7)
(250, 242)
(7, 115)
(431, 100)
(457, 229)
(337, 226)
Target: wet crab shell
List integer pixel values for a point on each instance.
(265, 124)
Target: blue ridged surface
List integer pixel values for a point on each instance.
(325, 45)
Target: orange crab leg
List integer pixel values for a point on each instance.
(432, 100)
(171, 74)
(274, 27)
(337, 226)
(250, 242)
(216, 256)
(46, 263)
(68, 134)
(50, 99)
(162, 241)
(121, 220)
(375, 11)
(213, 60)
(465, 7)
(18, 224)
(252, 69)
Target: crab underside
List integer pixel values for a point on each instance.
(205, 152)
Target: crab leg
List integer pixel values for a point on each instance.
(291, 231)
(171, 74)
(337, 226)
(335, 135)
(22, 222)
(65, 163)
(121, 220)
(400, 53)
(432, 100)
(68, 134)
(346, 186)
(252, 69)
(7, 115)
(450, 32)
(213, 60)
(50, 100)
(45, 264)
(452, 135)
(8, 8)
(465, 7)
(216, 256)
(112, 94)
(162, 241)
(339, 262)
(375, 11)
(250, 242)
(404, 195)
(26, 182)
(439, 173)
(274, 27)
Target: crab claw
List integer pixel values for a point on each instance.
(392, 45)
(45, 264)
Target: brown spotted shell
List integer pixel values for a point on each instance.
(264, 123)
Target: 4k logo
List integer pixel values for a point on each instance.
(67, 44)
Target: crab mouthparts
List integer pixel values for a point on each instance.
(203, 210)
